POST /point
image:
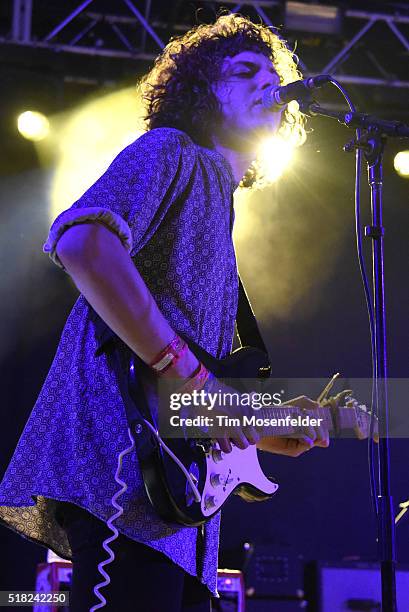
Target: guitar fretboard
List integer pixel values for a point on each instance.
(282, 415)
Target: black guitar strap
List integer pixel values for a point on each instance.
(247, 327)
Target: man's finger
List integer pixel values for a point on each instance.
(305, 441)
(322, 437)
(239, 439)
(225, 445)
(298, 446)
(310, 433)
(252, 435)
(322, 440)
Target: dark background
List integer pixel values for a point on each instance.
(323, 507)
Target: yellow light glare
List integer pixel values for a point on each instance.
(33, 125)
(88, 140)
(274, 157)
(401, 163)
(293, 106)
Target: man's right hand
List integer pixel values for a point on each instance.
(242, 437)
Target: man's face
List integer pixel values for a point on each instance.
(245, 77)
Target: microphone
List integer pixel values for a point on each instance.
(277, 97)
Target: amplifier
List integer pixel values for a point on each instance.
(275, 572)
(275, 605)
(341, 587)
(230, 585)
(54, 576)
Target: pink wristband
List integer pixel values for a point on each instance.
(197, 381)
(169, 356)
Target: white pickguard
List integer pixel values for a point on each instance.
(225, 471)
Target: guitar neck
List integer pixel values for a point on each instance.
(284, 418)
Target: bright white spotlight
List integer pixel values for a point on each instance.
(33, 125)
(275, 154)
(401, 163)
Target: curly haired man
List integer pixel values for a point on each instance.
(149, 247)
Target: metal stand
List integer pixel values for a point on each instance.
(373, 150)
(372, 142)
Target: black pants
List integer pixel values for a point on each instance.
(142, 579)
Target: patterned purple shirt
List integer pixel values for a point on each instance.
(170, 202)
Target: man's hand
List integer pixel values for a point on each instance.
(241, 437)
(292, 447)
(296, 445)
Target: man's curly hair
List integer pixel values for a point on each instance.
(178, 90)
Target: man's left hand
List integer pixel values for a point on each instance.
(296, 445)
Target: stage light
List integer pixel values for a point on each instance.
(33, 125)
(313, 18)
(274, 157)
(275, 153)
(401, 163)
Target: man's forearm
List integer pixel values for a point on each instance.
(105, 274)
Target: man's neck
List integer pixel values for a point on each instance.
(240, 161)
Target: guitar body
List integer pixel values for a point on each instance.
(217, 475)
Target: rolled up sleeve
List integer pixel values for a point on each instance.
(133, 195)
(93, 214)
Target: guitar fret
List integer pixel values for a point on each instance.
(346, 418)
(281, 413)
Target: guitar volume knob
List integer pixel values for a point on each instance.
(217, 479)
(210, 501)
(217, 455)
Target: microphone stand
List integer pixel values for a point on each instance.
(372, 142)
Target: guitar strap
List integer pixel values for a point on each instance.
(247, 326)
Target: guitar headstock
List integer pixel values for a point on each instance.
(352, 415)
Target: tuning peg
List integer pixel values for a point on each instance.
(343, 396)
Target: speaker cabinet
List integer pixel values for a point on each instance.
(343, 587)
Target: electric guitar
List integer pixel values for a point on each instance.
(214, 475)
